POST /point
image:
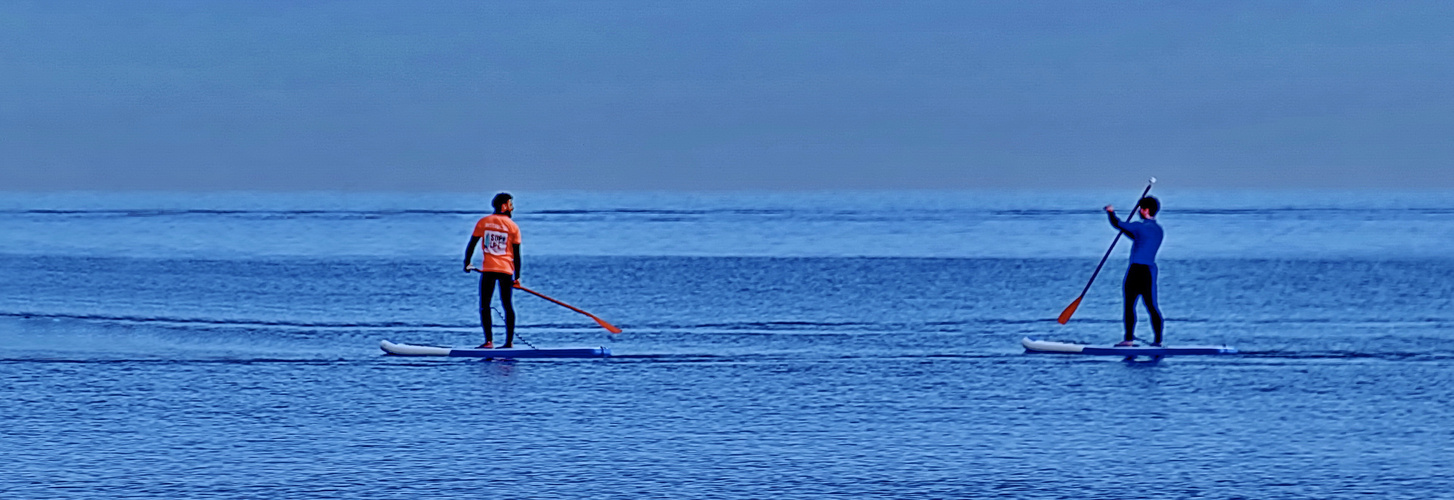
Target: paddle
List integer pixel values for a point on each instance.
(609, 327)
(1069, 310)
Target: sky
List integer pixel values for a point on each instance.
(365, 95)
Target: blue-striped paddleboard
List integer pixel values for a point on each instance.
(512, 353)
(1046, 346)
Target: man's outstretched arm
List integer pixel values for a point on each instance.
(1116, 223)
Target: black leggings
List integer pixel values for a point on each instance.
(487, 291)
(1141, 281)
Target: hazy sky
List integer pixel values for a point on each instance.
(623, 94)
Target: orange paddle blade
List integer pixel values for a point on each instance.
(609, 327)
(1065, 315)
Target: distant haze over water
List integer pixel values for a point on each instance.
(780, 95)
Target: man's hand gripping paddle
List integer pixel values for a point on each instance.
(1069, 310)
(609, 327)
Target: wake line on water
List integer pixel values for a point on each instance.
(769, 328)
(1347, 355)
(175, 361)
(387, 325)
(1382, 322)
(760, 327)
(783, 326)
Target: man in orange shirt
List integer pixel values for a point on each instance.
(499, 240)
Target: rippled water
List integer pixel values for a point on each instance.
(776, 346)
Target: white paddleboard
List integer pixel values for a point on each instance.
(1047, 346)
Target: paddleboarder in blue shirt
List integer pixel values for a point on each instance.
(1141, 274)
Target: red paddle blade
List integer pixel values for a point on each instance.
(1065, 315)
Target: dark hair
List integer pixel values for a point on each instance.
(1151, 204)
(500, 200)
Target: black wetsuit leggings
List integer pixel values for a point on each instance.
(487, 291)
(1141, 281)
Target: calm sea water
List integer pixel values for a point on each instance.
(777, 345)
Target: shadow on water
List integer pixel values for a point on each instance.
(1142, 361)
(495, 368)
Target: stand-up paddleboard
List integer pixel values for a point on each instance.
(512, 353)
(1046, 346)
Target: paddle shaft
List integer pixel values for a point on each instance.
(1112, 248)
(610, 327)
(602, 322)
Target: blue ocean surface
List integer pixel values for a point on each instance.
(776, 345)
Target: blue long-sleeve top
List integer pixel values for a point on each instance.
(1145, 238)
